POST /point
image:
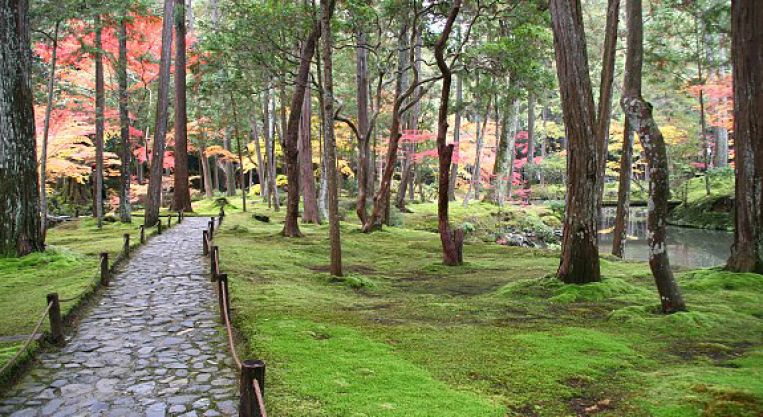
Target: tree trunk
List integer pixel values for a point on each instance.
(456, 139)
(124, 126)
(721, 147)
(307, 176)
(230, 179)
(512, 151)
(530, 165)
(476, 180)
(495, 193)
(324, 185)
(452, 241)
(580, 253)
(19, 182)
(208, 186)
(639, 114)
(215, 174)
(327, 10)
(291, 150)
(154, 198)
(240, 152)
(365, 164)
(181, 197)
(45, 133)
(99, 123)
(747, 57)
(261, 172)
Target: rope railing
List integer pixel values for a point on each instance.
(53, 308)
(252, 372)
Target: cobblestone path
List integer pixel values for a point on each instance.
(150, 347)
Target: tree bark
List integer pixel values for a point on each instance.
(365, 163)
(19, 182)
(580, 253)
(476, 181)
(181, 197)
(291, 151)
(154, 198)
(240, 152)
(261, 172)
(496, 194)
(456, 138)
(327, 9)
(100, 103)
(747, 59)
(307, 175)
(208, 186)
(45, 134)
(451, 241)
(530, 165)
(230, 179)
(124, 126)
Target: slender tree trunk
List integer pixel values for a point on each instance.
(451, 241)
(327, 10)
(154, 200)
(181, 197)
(364, 158)
(476, 180)
(747, 57)
(530, 165)
(512, 150)
(495, 194)
(208, 186)
(230, 179)
(307, 176)
(241, 177)
(456, 138)
(639, 114)
(19, 182)
(99, 122)
(261, 178)
(324, 185)
(215, 174)
(620, 233)
(45, 134)
(580, 253)
(124, 126)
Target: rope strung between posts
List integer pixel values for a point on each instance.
(260, 400)
(226, 314)
(28, 341)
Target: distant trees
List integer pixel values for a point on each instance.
(19, 186)
(747, 58)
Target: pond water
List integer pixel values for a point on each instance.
(694, 248)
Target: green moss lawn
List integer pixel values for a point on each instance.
(402, 335)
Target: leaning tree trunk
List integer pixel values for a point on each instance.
(327, 9)
(307, 175)
(291, 150)
(100, 103)
(747, 57)
(19, 182)
(580, 250)
(45, 133)
(154, 198)
(124, 126)
(452, 241)
(181, 197)
(639, 114)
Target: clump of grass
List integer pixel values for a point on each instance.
(712, 280)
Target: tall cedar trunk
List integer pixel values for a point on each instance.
(307, 175)
(324, 186)
(452, 241)
(721, 147)
(154, 198)
(543, 137)
(639, 114)
(181, 197)
(240, 152)
(380, 213)
(530, 165)
(456, 138)
(19, 182)
(512, 150)
(580, 252)
(291, 150)
(208, 186)
(702, 119)
(327, 9)
(632, 86)
(408, 168)
(747, 57)
(495, 193)
(403, 62)
(260, 166)
(230, 180)
(365, 163)
(476, 180)
(215, 174)
(45, 133)
(124, 126)
(100, 103)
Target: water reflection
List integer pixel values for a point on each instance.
(695, 248)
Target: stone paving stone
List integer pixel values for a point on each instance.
(144, 348)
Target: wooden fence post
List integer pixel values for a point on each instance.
(205, 242)
(213, 260)
(169, 220)
(223, 301)
(56, 324)
(211, 226)
(142, 234)
(159, 227)
(126, 248)
(251, 371)
(105, 269)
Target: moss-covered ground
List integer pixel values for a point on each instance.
(707, 211)
(402, 335)
(69, 267)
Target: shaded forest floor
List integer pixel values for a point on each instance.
(402, 335)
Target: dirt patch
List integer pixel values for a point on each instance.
(357, 269)
(715, 351)
(524, 411)
(466, 285)
(584, 407)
